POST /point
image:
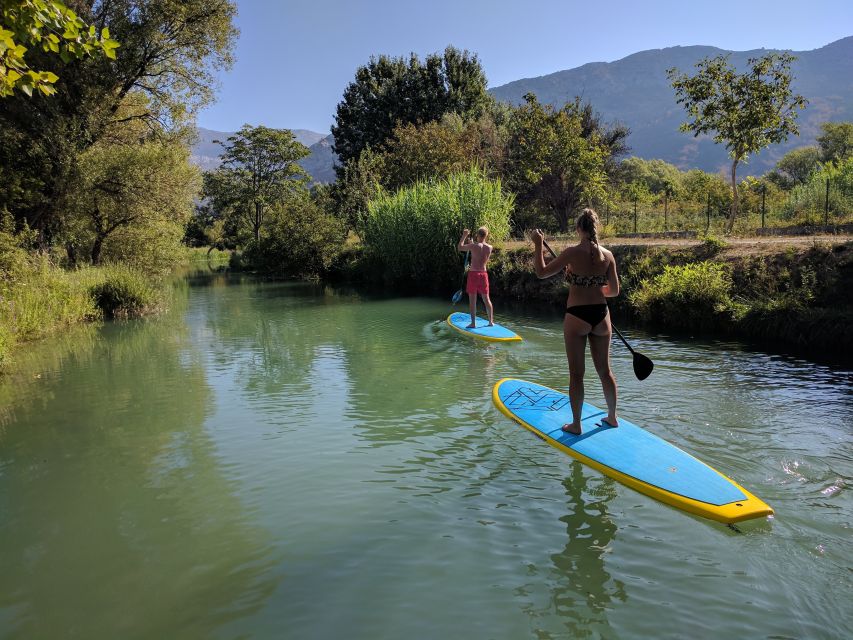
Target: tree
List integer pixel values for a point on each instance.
(131, 188)
(391, 91)
(797, 165)
(259, 169)
(162, 73)
(301, 239)
(550, 161)
(360, 182)
(747, 111)
(54, 28)
(655, 174)
(836, 142)
(420, 152)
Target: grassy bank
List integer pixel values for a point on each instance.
(38, 297)
(784, 294)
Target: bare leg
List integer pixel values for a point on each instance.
(575, 352)
(489, 308)
(599, 347)
(472, 303)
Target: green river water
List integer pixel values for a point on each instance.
(281, 460)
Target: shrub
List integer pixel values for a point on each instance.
(414, 231)
(692, 296)
(124, 292)
(300, 240)
(712, 245)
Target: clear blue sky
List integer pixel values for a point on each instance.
(295, 57)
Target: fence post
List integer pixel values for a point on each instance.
(763, 196)
(635, 215)
(826, 205)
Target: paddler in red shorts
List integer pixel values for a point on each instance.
(478, 278)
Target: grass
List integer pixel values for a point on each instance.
(38, 298)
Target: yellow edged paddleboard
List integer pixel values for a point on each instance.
(629, 454)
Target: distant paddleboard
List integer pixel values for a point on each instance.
(629, 454)
(482, 330)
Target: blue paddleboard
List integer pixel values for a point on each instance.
(496, 333)
(628, 453)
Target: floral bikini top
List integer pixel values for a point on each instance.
(587, 281)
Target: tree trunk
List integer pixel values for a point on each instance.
(562, 215)
(733, 214)
(96, 249)
(257, 225)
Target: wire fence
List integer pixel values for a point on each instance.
(828, 203)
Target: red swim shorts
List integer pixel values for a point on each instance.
(478, 282)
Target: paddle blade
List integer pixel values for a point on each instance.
(457, 296)
(642, 366)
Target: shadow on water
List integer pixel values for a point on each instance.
(117, 517)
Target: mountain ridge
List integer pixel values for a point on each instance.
(635, 91)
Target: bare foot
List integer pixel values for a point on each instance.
(491, 324)
(471, 326)
(610, 422)
(570, 428)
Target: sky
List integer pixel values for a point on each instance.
(294, 58)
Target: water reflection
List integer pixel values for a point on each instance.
(117, 519)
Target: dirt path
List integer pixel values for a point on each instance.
(736, 246)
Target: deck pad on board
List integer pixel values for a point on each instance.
(482, 330)
(628, 453)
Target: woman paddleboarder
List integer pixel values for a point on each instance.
(593, 278)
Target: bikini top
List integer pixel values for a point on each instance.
(587, 281)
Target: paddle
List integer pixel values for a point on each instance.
(458, 295)
(642, 365)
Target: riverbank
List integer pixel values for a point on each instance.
(39, 297)
(785, 292)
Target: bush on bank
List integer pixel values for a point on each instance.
(300, 240)
(413, 232)
(692, 296)
(38, 297)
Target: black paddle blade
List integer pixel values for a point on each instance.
(642, 366)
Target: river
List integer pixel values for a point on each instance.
(294, 461)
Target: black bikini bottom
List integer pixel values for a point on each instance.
(592, 314)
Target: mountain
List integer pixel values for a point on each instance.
(206, 152)
(635, 91)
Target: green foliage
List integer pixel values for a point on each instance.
(414, 231)
(746, 112)
(712, 245)
(259, 170)
(836, 141)
(554, 161)
(391, 91)
(54, 28)
(431, 150)
(693, 296)
(132, 202)
(361, 179)
(658, 176)
(798, 164)
(807, 202)
(164, 71)
(301, 239)
(123, 292)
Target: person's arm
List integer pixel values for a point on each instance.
(463, 246)
(611, 289)
(552, 268)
